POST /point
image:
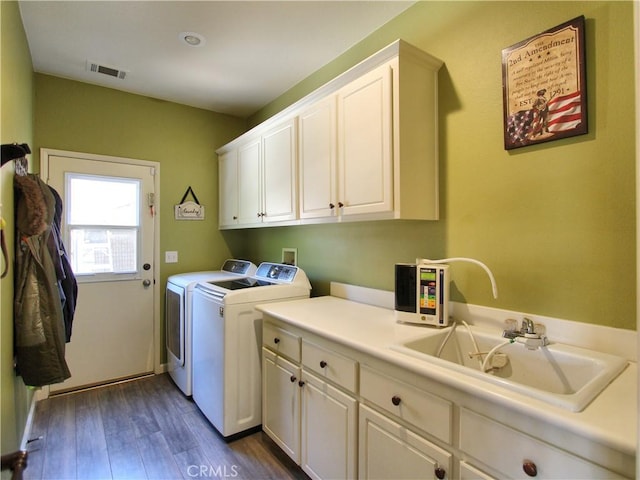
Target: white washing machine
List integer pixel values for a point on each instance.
(179, 318)
(227, 340)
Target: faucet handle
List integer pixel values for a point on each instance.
(511, 325)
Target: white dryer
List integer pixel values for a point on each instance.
(179, 318)
(227, 341)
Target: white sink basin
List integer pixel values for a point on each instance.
(562, 375)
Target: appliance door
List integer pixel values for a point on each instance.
(208, 354)
(175, 311)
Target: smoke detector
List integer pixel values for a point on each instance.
(192, 39)
(106, 70)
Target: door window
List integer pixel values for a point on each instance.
(102, 229)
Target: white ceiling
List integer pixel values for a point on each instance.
(253, 52)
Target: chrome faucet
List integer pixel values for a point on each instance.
(526, 335)
(528, 327)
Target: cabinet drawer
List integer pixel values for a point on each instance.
(506, 450)
(330, 365)
(418, 407)
(280, 341)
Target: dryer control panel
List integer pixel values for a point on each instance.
(276, 271)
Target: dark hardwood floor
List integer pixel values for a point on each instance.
(143, 429)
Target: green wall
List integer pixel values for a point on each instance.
(86, 118)
(16, 126)
(555, 222)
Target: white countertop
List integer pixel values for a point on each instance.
(611, 419)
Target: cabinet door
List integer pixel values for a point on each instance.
(329, 430)
(365, 165)
(317, 159)
(249, 183)
(279, 173)
(281, 403)
(228, 188)
(469, 472)
(389, 450)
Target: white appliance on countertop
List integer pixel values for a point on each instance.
(227, 339)
(179, 318)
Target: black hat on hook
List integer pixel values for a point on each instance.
(11, 151)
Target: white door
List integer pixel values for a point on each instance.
(228, 187)
(329, 426)
(390, 450)
(365, 161)
(108, 231)
(279, 173)
(317, 157)
(249, 185)
(281, 403)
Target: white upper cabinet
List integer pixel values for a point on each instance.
(258, 179)
(317, 157)
(366, 147)
(249, 182)
(365, 160)
(228, 188)
(279, 197)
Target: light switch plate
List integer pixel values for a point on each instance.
(171, 257)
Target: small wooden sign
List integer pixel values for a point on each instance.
(188, 210)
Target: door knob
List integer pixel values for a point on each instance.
(146, 282)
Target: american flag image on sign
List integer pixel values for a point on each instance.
(565, 112)
(519, 127)
(561, 114)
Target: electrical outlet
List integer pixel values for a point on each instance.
(171, 257)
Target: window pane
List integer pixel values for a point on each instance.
(102, 200)
(102, 226)
(103, 250)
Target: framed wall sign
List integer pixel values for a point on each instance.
(543, 84)
(188, 210)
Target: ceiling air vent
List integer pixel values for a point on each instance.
(110, 71)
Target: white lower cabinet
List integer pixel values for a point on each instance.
(469, 472)
(389, 450)
(311, 416)
(517, 455)
(328, 430)
(340, 414)
(281, 402)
